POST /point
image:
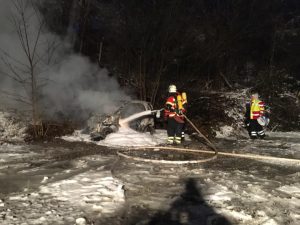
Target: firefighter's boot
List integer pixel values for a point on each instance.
(170, 140)
(178, 140)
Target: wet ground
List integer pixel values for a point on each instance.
(223, 191)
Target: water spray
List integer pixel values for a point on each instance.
(123, 122)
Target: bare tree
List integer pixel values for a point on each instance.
(26, 67)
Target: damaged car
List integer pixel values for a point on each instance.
(100, 125)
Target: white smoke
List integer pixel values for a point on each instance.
(81, 87)
(68, 83)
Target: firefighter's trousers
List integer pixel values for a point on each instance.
(256, 130)
(174, 130)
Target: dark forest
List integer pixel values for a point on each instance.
(200, 45)
(208, 44)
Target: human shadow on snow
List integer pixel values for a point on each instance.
(189, 209)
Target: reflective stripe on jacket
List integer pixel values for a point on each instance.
(257, 109)
(171, 107)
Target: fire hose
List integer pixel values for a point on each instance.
(178, 162)
(215, 152)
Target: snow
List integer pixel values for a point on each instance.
(267, 204)
(239, 216)
(285, 134)
(225, 131)
(77, 136)
(80, 221)
(94, 190)
(234, 112)
(291, 189)
(247, 192)
(11, 128)
(125, 137)
(66, 201)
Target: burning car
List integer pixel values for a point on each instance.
(99, 125)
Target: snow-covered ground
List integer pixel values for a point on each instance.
(98, 188)
(278, 144)
(253, 198)
(57, 194)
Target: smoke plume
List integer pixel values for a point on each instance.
(68, 84)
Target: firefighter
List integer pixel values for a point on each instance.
(254, 110)
(175, 108)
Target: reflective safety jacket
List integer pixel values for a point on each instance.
(172, 108)
(257, 109)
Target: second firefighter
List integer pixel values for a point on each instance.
(175, 108)
(255, 112)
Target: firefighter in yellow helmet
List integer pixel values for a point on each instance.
(175, 108)
(255, 110)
